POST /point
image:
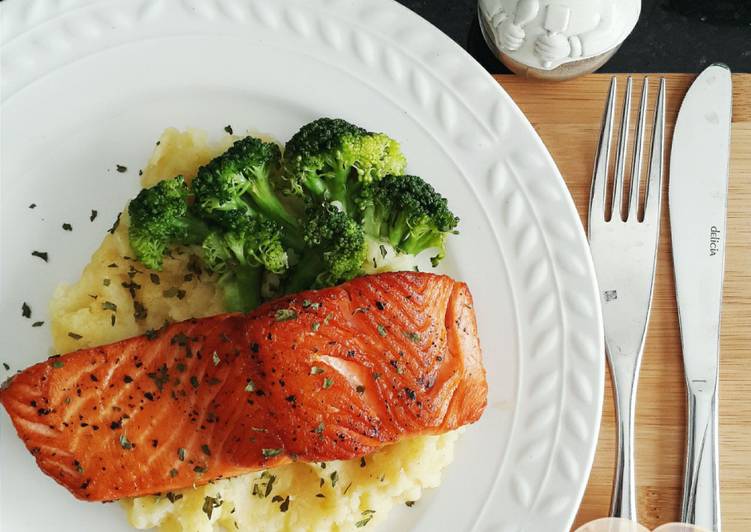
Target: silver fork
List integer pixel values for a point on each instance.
(624, 249)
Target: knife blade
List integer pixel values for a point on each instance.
(697, 198)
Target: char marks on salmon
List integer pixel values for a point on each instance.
(322, 375)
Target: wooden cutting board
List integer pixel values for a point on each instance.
(567, 116)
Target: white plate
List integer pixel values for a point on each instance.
(88, 84)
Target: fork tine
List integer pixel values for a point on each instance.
(633, 200)
(620, 155)
(654, 187)
(602, 156)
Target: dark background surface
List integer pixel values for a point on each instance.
(671, 35)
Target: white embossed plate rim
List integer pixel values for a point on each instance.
(463, 114)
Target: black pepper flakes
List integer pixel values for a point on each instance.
(228, 129)
(93, 215)
(42, 255)
(121, 168)
(67, 227)
(25, 310)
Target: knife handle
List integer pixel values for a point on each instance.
(701, 483)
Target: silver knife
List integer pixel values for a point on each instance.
(698, 211)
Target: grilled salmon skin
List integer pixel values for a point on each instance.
(322, 375)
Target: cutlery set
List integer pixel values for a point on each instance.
(624, 240)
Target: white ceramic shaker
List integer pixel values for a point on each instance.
(556, 39)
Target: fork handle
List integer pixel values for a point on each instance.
(701, 484)
(623, 499)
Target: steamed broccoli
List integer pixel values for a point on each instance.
(160, 217)
(330, 159)
(238, 184)
(240, 257)
(408, 213)
(335, 249)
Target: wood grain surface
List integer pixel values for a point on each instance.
(567, 116)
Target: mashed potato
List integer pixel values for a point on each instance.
(117, 297)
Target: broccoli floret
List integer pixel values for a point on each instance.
(335, 249)
(331, 159)
(408, 213)
(240, 256)
(160, 217)
(238, 184)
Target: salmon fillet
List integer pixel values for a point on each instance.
(322, 375)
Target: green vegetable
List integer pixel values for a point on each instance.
(408, 213)
(160, 218)
(238, 185)
(344, 191)
(330, 159)
(335, 249)
(240, 258)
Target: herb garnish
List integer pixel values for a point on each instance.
(381, 330)
(173, 473)
(206, 450)
(250, 387)
(32, 206)
(285, 505)
(215, 358)
(93, 215)
(172, 497)
(112, 229)
(315, 370)
(413, 336)
(269, 485)
(410, 504)
(181, 454)
(154, 278)
(67, 227)
(6, 366)
(75, 336)
(199, 469)
(334, 478)
(124, 443)
(25, 310)
(327, 383)
(285, 314)
(209, 503)
(194, 381)
(368, 516)
(315, 326)
(268, 453)
(139, 311)
(228, 129)
(109, 305)
(58, 363)
(120, 168)
(37, 324)
(41, 254)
